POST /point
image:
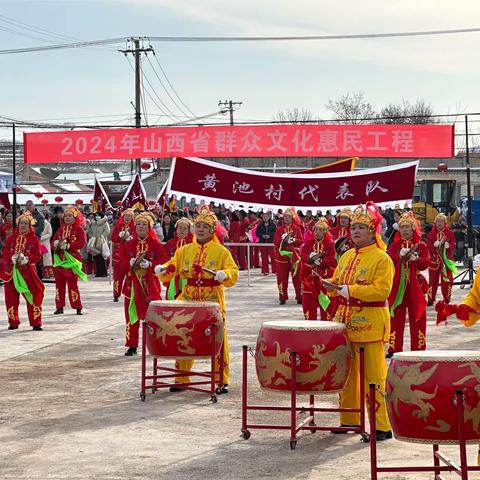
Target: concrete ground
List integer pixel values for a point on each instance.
(70, 407)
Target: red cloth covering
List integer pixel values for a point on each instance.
(75, 236)
(413, 282)
(444, 310)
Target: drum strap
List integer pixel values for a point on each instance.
(202, 282)
(354, 302)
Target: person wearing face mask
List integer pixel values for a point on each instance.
(20, 254)
(441, 243)
(66, 243)
(181, 237)
(98, 233)
(139, 256)
(122, 233)
(410, 256)
(208, 268)
(362, 283)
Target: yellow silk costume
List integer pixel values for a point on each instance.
(214, 256)
(472, 300)
(368, 272)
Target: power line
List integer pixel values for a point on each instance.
(246, 39)
(171, 86)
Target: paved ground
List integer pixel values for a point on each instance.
(70, 408)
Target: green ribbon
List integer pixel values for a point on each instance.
(21, 285)
(400, 292)
(323, 300)
(447, 263)
(70, 263)
(132, 308)
(172, 292)
(287, 253)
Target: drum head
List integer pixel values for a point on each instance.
(303, 325)
(438, 356)
(183, 304)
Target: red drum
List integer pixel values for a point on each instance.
(421, 392)
(182, 329)
(323, 351)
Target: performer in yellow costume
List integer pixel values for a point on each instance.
(363, 280)
(190, 262)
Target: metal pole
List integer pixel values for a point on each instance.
(14, 176)
(138, 115)
(471, 250)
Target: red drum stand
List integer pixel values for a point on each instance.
(441, 463)
(206, 383)
(301, 417)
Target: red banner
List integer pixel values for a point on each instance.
(100, 201)
(344, 165)
(135, 196)
(210, 181)
(392, 141)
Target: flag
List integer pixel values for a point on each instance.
(100, 199)
(135, 196)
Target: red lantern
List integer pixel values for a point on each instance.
(45, 201)
(442, 167)
(145, 165)
(38, 194)
(18, 189)
(79, 201)
(119, 203)
(58, 199)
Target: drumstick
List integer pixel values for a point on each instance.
(213, 272)
(330, 284)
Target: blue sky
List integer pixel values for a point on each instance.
(266, 77)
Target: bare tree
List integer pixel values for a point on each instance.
(294, 116)
(419, 112)
(351, 108)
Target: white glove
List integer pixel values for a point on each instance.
(395, 226)
(318, 261)
(220, 276)
(65, 246)
(413, 257)
(132, 261)
(128, 237)
(312, 254)
(404, 251)
(290, 240)
(284, 236)
(344, 292)
(122, 234)
(159, 269)
(24, 260)
(145, 264)
(55, 243)
(447, 245)
(14, 258)
(436, 244)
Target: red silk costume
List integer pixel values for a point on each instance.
(437, 265)
(413, 299)
(6, 230)
(311, 274)
(29, 245)
(75, 237)
(286, 264)
(146, 286)
(339, 232)
(117, 241)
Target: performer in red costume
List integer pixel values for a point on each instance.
(123, 231)
(441, 243)
(139, 257)
(182, 236)
(318, 261)
(67, 260)
(410, 256)
(342, 229)
(19, 272)
(288, 239)
(6, 228)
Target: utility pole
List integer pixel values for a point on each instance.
(229, 106)
(137, 50)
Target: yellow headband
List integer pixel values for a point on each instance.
(184, 220)
(322, 223)
(72, 210)
(290, 211)
(147, 217)
(408, 218)
(206, 216)
(441, 216)
(28, 217)
(346, 212)
(128, 211)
